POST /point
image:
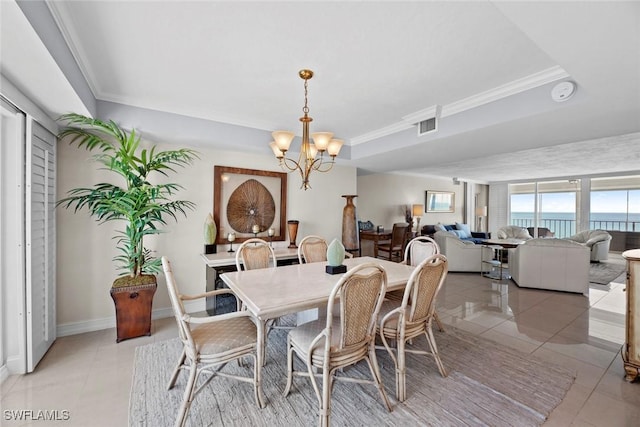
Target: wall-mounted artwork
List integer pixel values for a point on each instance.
(440, 201)
(245, 198)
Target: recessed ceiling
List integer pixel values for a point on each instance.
(490, 65)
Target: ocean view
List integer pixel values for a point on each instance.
(563, 224)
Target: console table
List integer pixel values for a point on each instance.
(224, 262)
(631, 348)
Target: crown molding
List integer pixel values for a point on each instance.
(512, 88)
(60, 15)
(427, 113)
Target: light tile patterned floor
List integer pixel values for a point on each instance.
(90, 375)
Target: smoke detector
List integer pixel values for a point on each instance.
(563, 91)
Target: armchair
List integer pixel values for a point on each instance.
(555, 264)
(461, 255)
(598, 242)
(513, 232)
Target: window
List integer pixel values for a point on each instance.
(615, 203)
(550, 204)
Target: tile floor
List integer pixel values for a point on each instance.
(89, 375)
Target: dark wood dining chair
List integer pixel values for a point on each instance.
(394, 248)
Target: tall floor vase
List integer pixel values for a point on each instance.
(293, 232)
(350, 225)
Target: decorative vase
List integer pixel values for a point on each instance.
(335, 253)
(350, 225)
(292, 225)
(210, 234)
(335, 256)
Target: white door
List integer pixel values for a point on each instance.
(40, 240)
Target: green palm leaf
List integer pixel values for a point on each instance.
(140, 204)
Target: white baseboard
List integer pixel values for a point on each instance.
(75, 328)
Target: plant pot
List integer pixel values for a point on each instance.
(133, 299)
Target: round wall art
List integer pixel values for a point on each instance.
(251, 204)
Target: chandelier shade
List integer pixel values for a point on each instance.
(311, 153)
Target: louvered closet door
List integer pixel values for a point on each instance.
(41, 242)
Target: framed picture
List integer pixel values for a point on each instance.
(248, 200)
(440, 201)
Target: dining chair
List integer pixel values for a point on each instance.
(255, 253)
(314, 249)
(417, 250)
(209, 343)
(334, 342)
(413, 317)
(395, 247)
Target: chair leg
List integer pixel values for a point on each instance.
(401, 372)
(257, 381)
(372, 360)
(325, 405)
(438, 322)
(287, 388)
(434, 350)
(176, 371)
(188, 396)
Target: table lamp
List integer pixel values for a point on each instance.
(418, 211)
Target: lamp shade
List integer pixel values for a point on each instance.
(321, 139)
(418, 210)
(334, 147)
(282, 139)
(481, 211)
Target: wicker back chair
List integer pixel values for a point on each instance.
(412, 318)
(418, 250)
(209, 343)
(312, 249)
(335, 342)
(255, 253)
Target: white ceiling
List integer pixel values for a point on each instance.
(490, 67)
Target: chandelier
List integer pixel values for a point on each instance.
(311, 154)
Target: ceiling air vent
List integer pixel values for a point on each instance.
(426, 126)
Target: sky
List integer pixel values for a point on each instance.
(601, 201)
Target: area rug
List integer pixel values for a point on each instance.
(487, 384)
(603, 272)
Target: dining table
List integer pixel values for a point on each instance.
(269, 293)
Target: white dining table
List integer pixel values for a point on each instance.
(273, 292)
(269, 293)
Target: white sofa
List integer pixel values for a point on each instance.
(598, 242)
(462, 255)
(555, 264)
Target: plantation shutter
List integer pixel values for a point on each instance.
(40, 177)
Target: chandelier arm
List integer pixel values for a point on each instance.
(285, 161)
(320, 163)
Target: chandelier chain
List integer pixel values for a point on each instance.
(305, 109)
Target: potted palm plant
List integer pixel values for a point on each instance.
(143, 207)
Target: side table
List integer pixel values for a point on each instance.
(496, 268)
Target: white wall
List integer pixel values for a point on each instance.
(383, 197)
(85, 271)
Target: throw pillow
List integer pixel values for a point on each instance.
(465, 228)
(449, 227)
(460, 233)
(440, 227)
